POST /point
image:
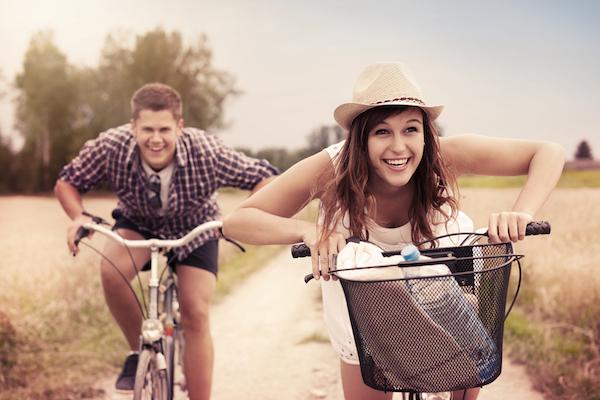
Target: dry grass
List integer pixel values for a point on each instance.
(556, 329)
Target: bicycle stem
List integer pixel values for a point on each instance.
(153, 284)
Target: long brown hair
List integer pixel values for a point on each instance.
(346, 192)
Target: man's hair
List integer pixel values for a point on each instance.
(156, 97)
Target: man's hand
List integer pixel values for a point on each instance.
(72, 232)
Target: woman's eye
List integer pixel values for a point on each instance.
(411, 129)
(381, 132)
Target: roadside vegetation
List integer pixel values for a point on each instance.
(56, 334)
(555, 327)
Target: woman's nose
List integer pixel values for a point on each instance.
(398, 143)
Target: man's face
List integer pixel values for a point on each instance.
(156, 133)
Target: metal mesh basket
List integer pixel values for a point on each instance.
(437, 333)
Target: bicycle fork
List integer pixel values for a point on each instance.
(152, 327)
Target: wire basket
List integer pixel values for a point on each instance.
(434, 333)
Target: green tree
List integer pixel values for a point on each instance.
(157, 56)
(584, 151)
(46, 107)
(7, 160)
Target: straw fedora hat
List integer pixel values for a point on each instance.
(388, 84)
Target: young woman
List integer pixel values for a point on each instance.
(392, 181)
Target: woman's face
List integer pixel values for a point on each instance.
(395, 148)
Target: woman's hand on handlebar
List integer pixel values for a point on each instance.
(508, 226)
(322, 254)
(72, 232)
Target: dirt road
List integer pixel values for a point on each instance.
(270, 343)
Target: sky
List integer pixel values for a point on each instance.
(512, 69)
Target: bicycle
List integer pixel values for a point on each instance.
(161, 336)
(446, 329)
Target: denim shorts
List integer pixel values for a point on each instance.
(205, 257)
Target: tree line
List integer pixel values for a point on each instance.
(60, 105)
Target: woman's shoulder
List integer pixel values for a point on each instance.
(334, 149)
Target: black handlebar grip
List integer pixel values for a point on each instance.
(300, 250)
(308, 277)
(81, 233)
(537, 228)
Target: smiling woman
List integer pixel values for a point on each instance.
(391, 182)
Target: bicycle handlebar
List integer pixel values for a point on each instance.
(533, 228)
(147, 243)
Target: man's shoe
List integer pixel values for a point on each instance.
(126, 378)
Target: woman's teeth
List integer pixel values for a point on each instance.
(397, 163)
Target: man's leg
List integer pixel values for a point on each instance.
(196, 289)
(119, 298)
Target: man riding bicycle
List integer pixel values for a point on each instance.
(165, 176)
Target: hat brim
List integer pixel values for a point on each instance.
(345, 113)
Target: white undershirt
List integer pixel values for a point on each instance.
(165, 176)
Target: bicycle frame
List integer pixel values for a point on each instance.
(154, 245)
(153, 330)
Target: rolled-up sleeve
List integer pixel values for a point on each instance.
(235, 169)
(88, 168)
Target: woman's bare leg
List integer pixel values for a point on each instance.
(469, 394)
(354, 387)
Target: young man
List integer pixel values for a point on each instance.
(165, 177)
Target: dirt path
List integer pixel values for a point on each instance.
(270, 343)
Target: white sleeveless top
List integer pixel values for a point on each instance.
(334, 303)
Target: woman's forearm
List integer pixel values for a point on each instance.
(254, 226)
(544, 172)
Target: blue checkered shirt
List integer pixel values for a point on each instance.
(203, 164)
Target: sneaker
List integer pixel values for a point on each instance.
(126, 378)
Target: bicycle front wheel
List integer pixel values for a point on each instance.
(150, 377)
(170, 352)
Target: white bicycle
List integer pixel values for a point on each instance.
(161, 336)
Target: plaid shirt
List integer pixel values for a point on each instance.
(203, 164)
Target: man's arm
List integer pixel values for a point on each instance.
(70, 200)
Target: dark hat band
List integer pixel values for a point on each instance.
(408, 99)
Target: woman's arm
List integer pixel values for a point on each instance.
(542, 162)
(265, 217)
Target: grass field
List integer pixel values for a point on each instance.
(555, 329)
(569, 179)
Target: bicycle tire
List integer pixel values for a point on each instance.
(169, 349)
(179, 351)
(150, 382)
